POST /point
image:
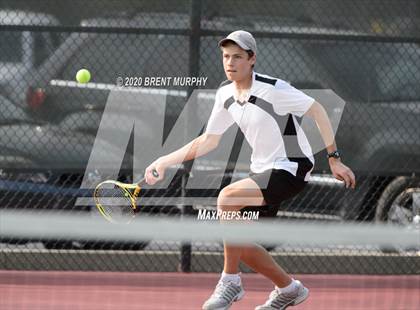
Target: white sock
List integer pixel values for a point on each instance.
(231, 277)
(291, 288)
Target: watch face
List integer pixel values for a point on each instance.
(334, 154)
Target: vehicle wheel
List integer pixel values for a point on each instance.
(398, 205)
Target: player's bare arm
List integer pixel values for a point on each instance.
(198, 147)
(338, 169)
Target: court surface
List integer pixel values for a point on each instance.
(24, 290)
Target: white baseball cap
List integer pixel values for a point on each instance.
(244, 39)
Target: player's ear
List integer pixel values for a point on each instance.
(253, 59)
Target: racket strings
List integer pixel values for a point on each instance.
(115, 201)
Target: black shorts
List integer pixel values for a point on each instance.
(276, 186)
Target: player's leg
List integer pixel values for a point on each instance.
(232, 198)
(235, 197)
(276, 187)
(259, 260)
(287, 291)
(254, 192)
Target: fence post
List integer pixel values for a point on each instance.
(193, 70)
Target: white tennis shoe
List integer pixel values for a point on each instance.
(224, 295)
(280, 301)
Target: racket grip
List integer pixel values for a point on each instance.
(155, 173)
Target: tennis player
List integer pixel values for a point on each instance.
(267, 110)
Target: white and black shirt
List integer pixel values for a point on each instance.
(269, 119)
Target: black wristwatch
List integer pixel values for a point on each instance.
(334, 154)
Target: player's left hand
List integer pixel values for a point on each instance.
(343, 173)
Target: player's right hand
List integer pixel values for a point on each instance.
(154, 168)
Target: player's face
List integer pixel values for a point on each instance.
(236, 62)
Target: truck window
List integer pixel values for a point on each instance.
(109, 56)
(11, 46)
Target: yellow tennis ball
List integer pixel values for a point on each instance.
(83, 76)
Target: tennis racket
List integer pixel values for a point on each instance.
(117, 201)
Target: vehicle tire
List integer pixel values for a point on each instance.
(396, 204)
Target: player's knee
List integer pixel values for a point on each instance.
(228, 199)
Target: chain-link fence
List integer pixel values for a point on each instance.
(367, 52)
